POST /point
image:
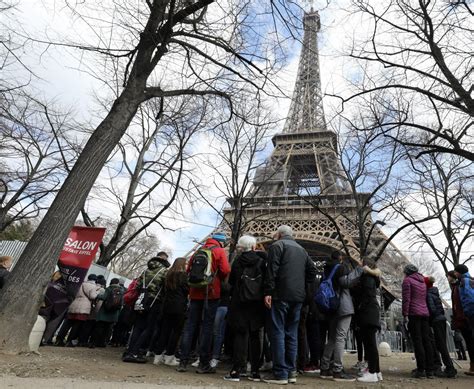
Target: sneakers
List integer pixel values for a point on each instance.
(360, 365)
(255, 376)
(275, 380)
(380, 376)
(439, 373)
(326, 374)
(292, 377)
(311, 369)
(133, 358)
(430, 374)
(214, 362)
(450, 372)
(159, 359)
(195, 363)
(233, 376)
(182, 367)
(368, 377)
(170, 360)
(205, 369)
(341, 376)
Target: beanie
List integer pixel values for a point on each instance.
(410, 269)
(219, 236)
(92, 277)
(463, 269)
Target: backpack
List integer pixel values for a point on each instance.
(144, 301)
(200, 271)
(113, 301)
(466, 293)
(131, 294)
(251, 283)
(326, 297)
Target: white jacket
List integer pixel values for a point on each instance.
(87, 293)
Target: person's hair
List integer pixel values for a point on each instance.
(370, 263)
(56, 276)
(336, 255)
(5, 259)
(451, 274)
(92, 277)
(462, 269)
(114, 281)
(162, 254)
(431, 280)
(285, 230)
(172, 277)
(246, 243)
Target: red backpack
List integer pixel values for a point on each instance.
(132, 293)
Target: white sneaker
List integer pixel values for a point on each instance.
(195, 363)
(363, 371)
(159, 359)
(170, 360)
(379, 376)
(214, 362)
(368, 377)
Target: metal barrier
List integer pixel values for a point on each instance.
(393, 338)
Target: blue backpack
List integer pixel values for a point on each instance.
(466, 293)
(326, 297)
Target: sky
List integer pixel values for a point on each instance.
(59, 79)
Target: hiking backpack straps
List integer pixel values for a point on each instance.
(142, 302)
(200, 271)
(326, 297)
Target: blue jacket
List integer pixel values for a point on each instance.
(466, 293)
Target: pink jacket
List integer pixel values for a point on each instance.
(414, 296)
(87, 293)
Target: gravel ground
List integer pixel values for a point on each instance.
(102, 368)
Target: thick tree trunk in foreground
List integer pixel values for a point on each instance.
(19, 307)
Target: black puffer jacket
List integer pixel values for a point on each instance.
(176, 300)
(289, 269)
(435, 306)
(367, 309)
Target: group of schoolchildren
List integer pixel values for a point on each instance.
(271, 309)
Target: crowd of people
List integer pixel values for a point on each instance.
(270, 311)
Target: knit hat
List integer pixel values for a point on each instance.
(219, 236)
(91, 277)
(410, 269)
(463, 269)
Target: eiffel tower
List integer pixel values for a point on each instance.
(304, 169)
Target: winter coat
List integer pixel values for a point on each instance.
(459, 319)
(3, 276)
(343, 280)
(103, 314)
(414, 296)
(289, 269)
(249, 314)
(435, 306)
(466, 293)
(59, 294)
(153, 281)
(87, 293)
(176, 300)
(220, 267)
(367, 308)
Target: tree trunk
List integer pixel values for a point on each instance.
(23, 294)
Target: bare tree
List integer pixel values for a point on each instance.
(429, 267)
(33, 145)
(441, 187)
(213, 48)
(416, 61)
(234, 157)
(154, 163)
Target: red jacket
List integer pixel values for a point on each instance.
(220, 266)
(459, 320)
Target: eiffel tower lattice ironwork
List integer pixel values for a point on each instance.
(304, 168)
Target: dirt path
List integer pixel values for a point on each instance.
(103, 369)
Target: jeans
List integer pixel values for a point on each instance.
(419, 332)
(337, 334)
(369, 341)
(284, 337)
(439, 330)
(219, 331)
(199, 312)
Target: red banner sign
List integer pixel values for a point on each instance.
(78, 253)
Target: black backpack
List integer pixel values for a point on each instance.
(251, 283)
(113, 302)
(200, 271)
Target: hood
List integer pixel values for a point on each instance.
(417, 277)
(212, 242)
(249, 258)
(433, 290)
